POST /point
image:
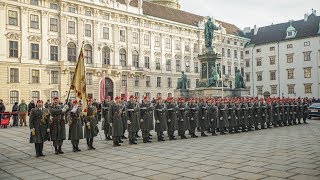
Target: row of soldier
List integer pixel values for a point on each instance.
(206, 115)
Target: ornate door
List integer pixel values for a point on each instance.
(108, 87)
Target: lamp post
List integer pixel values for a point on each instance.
(222, 93)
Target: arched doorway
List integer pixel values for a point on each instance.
(108, 87)
(266, 94)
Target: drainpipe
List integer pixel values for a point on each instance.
(279, 84)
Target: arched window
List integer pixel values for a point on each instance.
(106, 55)
(35, 96)
(88, 54)
(123, 57)
(135, 59)
(72, 52)
(54, 94)
(14, 96)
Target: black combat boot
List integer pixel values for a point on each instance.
(172, 138)
(60, 151)
(115, 143)
(145, 140)
(88, 144)
(91, 144)
(77, 148)
(74, 149)
(203, 134)
(56, 151)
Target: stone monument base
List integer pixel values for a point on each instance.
(185, 93)
(214, 92)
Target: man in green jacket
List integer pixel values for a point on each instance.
(23, 111)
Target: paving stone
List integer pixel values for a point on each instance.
(115, 175)
(175, 170)
(304, 177)
(305, 171)
(83, 177)
(252, 169)
(145, 173)
(248, 176)
(273, 178)
(194, 174)
(276, 173)
(164, 176)
(69, 174)
(224, 171)
(217, 177)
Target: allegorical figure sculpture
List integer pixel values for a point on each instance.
(212, 81)
(209, 32)
(182, 83)
(239, 80)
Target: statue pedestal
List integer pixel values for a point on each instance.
(217, 92)
(185, 93)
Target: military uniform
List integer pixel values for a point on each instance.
(305, 112)
(183, 120)
(196, 112)
(244, 117)
(105, 107)
(57, 127)
(250, 116)
(146, 118)
(91, 126)
(39, 126)
(75, 128)
(171, 119)
(132, 120)
(160, 118)
(116, 122)
(223, 116)
(213, 117)
(263, 110)
(231, 117)
(257, 116)
(238, 116)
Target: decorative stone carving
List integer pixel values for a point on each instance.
(34, 38)
(146, 52)
(177, 56)
(54, 41)
(187, 58)
(13, 36)
(168, 55)
(157, 54)
(2, 5)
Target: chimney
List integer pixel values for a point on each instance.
(256, 29)
(246, 30)
(306, 17)
(140, 2)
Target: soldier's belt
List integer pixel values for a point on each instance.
(144, 108)
(170, 109)
(130, 109)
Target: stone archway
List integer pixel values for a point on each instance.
(109, 88)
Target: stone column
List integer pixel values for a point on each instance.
(191, 62)
(96, 53)
(80, 33)
(44, 39)
(152, 51)
(141, 48)
(3, 39)
(63, 38)
(116, 44)
(163, 51)
(129, 46)
(24, 34)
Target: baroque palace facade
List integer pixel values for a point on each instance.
(141, 46)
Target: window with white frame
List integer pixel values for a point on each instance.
(157, 41)
(35, 96)
(88, 54)
(307, 72)
(273, 89)
(135, 59)
(307, 43)
(259, 90)
(14, 96)
(123, 57)
(259, 76)
(106, 55)
(54, 24)
(168, 43)
(247, 77)
(272, 60)
(290, 73)
(235, 54)
(289, 58)
(34, 21)
(72, 56)
(147, 39)
(291, 88)
(168, 65)
(72, 9)
(307, 88)
(289, 46)
(158, 64)
(71, 27)
(88, 13)
(87, 30)
(187, 46)
(187, 63)
(13, 18)
(105, 33)
(89, 77)
(14, 75)
(54, 6)
(34, 51)
(54, 94)
(34, 2)
(136, 81)
(124, 80)
(178, 65)
(196, 67)
(35, 76)
(241, 54)
(229, 53)
(147, 62)
(54, 77)
(148, 81)
(135, 38)
(259, 61)
(122, 36)
(169, 82)
(158, 81)
(13, 49)
(307, 56)
(53, 53)
(177, 42)
(196, 48)
(272, 75)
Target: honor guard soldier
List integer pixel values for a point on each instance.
(269, 119)
(75, 126)
(263, 112)
(305, 111)
(231, 117)
(160, 118)
(132, 119)
(171, 118)
(115, 119)
(105, 107)
(57, 124)
(245, 116)
(238, 115)
(194, 115)
(183, 123)
(222, 112)
(257, 115)
(213, 117)
(202, 118)
(146, 118)
(91, 125)
(275, 113)
(39, 127)
(299, 111)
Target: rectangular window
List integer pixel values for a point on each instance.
(229, 53)
(14, 75)
(272, 48)
(307, 43)
(273, 89)
(54, 6)
(13, 18)
(195, 48)
(259, 90)
(35, 76)
(247, 52)
(169, 82)
(259, 76)
(105, 31)
(235, 54)
(168, 43)
(289, 58)
(307, 56)
(187, 66)
(146, 39)
(54, 53)
(157, 41)
(34, 2)
(148, 81)
(158, 64)
(223, 69)
(54, 24)
(223, 52)
(71, 27)
(291, 89)
(34, 21)
(272, 75)
(14, 97)
(189, 83)
(35, 96)
(248, 77)
(289, 46)
(34, 51)
(88, 13)
(168, 64)
(122, 35)
(272, 60)
(187, 47)
(54, 77)
(13, 49)
(147, 62)
(88, 30)
(124, 80)
(178, 65)
(196, 67)
(72, 9)
(307, 88)
(241, 54)
(247, 63)
(259, 62)
(158, 81)
(177, 45)
(135, 38)
(307, 72)
(258, 50)
(290, 73)
(136, 81)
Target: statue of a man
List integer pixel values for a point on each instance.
(239, 80)
(212, 81)
(209, 32)
(184, 81)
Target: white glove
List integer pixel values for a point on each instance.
(157, 121)
(110, 124)
(221, 118)
(48, 130)
(63, 110)
(182, 120)
(74, 109)
(128, 122)
(88, 123)
(202, 117)
(141, 120)
(192, 119)
(32, 130)
(211, 120)
(169, 120)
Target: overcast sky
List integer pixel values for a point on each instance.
(245, 13)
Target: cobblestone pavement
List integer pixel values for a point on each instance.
(279, 153)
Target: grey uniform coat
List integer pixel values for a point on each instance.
(132, 110)
(39, 120)
(75, 125)
(92, 131)
(160, 118)
(115, 117)
(172, 117)
(146, 114)
(183, 119)
(57, 123)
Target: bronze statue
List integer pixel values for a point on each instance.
(209, 32)
(182, 83)
(212, 81)
(239, 80)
